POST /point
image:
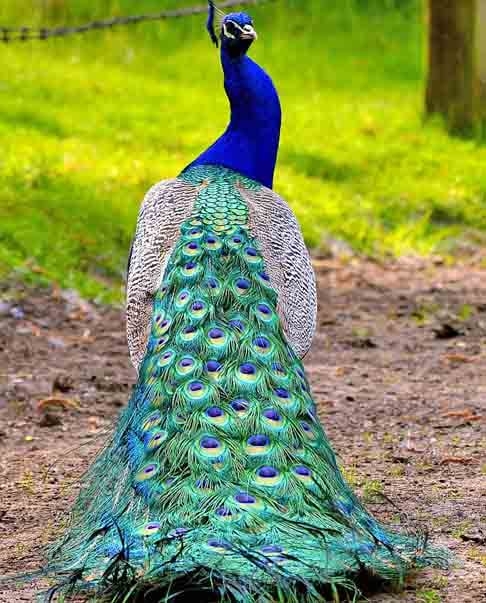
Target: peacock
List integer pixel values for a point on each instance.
(219, 483)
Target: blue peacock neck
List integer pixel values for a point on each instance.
(250, 143)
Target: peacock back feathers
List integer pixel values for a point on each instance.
(219, 475)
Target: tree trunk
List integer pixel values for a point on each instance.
(481, 60)
(452, 87)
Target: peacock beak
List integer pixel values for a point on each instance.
(249, 33)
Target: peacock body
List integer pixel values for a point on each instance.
(219, 477)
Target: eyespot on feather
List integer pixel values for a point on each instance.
(152, 421)
(182, 300)
(147, 472)
(167, 359)
(211, 447)
(258, 445)
(157, 439)
(268, 476)
(186, 365)
(218, 546)
(149, 529)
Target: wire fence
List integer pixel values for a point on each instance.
(24, 34)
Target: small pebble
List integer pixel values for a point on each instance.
(5, 308)
(17, 313)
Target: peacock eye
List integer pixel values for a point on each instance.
(230, 28)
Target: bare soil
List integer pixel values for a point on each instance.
(397, 367)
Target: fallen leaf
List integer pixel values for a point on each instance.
(77, 316)
(457, 413)
(461, 460)
(467, 415)
(459, 358)
(86, 337)
(57, 401)
(38, 270)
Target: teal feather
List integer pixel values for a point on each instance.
(219, 474)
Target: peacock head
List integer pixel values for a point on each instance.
(237, 32)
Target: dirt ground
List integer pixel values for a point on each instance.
(397, 367)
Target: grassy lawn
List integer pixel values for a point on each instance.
(88, 124)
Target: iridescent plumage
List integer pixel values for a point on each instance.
(219, 474)
(219, 482)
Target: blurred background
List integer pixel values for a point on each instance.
(89, 123)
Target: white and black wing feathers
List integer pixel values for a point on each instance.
(165, 207)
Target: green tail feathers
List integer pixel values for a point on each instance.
(219, 476)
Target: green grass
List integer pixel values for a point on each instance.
(88, 124)
(428, 596)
